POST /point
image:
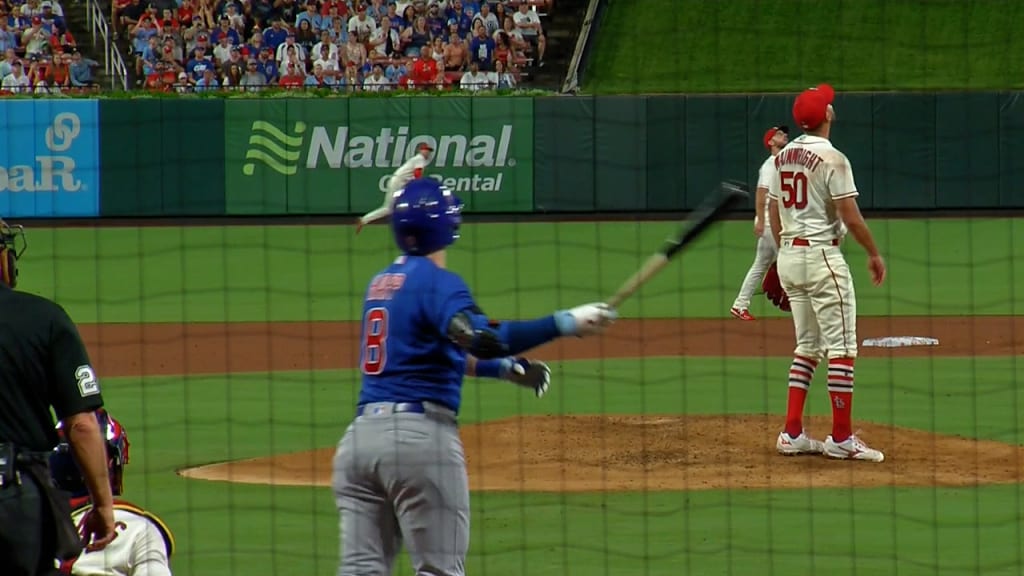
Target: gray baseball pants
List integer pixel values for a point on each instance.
(400, 478)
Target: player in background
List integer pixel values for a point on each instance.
(812, 202)
(774, 139)
(143, 544)
(411, 169)
(399, 470)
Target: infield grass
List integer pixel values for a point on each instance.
(660, 46)
(307, 273)
(226, 528)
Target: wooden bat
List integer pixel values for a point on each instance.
(728, 194)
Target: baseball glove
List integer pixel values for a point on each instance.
(773, 289)
(532, 374)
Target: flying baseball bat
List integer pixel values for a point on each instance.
(728, 194)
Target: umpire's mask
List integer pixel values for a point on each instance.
(10, 250)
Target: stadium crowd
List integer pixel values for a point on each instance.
(40, 54)
(344, 45)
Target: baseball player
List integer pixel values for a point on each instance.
(412, 168)
(44, 366)
(774, 139)
(812, 201)
(143, 544)
(399, 470)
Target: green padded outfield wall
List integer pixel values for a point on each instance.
(162, 157)
(315, 156)
(275, 156)
(908, 151)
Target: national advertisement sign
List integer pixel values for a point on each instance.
(49, 159)
(316, 157)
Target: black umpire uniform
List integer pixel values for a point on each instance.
(43, 363)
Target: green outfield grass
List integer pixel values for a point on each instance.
(259, 530)
(787, 45)
(300, 273)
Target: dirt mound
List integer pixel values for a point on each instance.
(671, 452)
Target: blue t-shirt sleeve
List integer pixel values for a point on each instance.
(449, 296)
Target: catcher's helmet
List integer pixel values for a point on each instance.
(65, 472)
(10, 250)
(426, 217)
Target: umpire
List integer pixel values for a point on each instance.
(43, 364)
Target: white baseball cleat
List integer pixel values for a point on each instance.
(802, 444)
(852, 448)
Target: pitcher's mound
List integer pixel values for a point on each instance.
(617, 453)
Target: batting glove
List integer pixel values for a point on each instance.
(585, 320)
(527, 373)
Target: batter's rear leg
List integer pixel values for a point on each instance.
(432, 505)
(793, 440)
(370, 535)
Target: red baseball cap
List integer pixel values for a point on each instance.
(771, 134)
(810, 106)
(425, 146)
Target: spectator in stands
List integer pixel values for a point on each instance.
(317, 51)
(199, 62)
(182, 86)
(262, 12)
(377, 81)
(185, 11)
(233, 76)
(306, 37)
(352, 81)
(225, 29)
(147, 58)
(269, 67)
(168, 23)
(222, 50)
(341, 6)
(291, 56)
(208, 81)
(499, 12)
(377, 10)
(7, 64)
(60, 70)
(141, 33)
(456, 54)
(392, 15)
(128, 15)
(289, 44)
(255, 45)
(471, 7)
(35, 39)
(320, 79)
(81, 70)
(437, 51)
(406, 19)
(314, 20)
(52, 23)
(353, 51)
(362, 26)
(481, 48)
(437, 22)
(253, 80)
(234, 59)
(288, 10)
(235, 19)
(339, 31)
(425, 73)
(172, 49)
(384, 42)
(502, 78)
(8, 39)
(16, 81)
(276, 35)
(528, 23)
(488, 19)
(474, 80)
(328, 62)
(292, 76)
(396, 70)
(516, 41)
(416, 37)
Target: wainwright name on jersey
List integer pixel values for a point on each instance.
(143, 546)
(809, 175)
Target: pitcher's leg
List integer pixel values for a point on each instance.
(432, 503)
(763, 258)
(806, 357)
(370, 537)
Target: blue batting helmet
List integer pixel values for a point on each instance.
(64, 470)
(426, 217)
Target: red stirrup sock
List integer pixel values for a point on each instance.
(840, 391)
(801, 372)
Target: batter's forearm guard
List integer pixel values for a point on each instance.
(482, 342)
